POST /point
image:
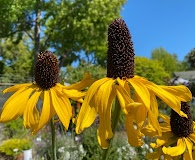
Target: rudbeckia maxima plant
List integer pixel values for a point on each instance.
(178, 137)
(136, 95)
(55, 96)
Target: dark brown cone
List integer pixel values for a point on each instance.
(120, 55)
(181, 126)
(46, 70)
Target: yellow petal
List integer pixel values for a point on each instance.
(134, 135)
(155, 155)
(165, 127)
(14, 107)
(85, 82)
(193, 154)
(88, 113)
(170, 99)
(17, 87)
(154, 105)
(152, 128)
(47, 112)
(177, 150)
(189, 147)
(153, 121)
(31, 114)
(125, 100)
(141, 90)
(186, 156)
(73, 94)
(104, 101)
(192, 137)
(181, 91)
(165, 138)
(59, 107)
(140, 113)
(165, 118)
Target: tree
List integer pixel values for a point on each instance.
(81, 25)
(151, 69)
(190, 60)
(169, 61)
(17, 61)
(69, 26)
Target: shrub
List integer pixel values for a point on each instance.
(15, 146)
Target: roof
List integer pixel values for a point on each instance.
(188, 75)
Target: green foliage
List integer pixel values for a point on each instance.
(190, 60)
(169, 61)
(2, 65)
(15, 129)
(15, 146)
(192, 88)
(151, 69)
(81, 25)
(90, 144)
(14, 17)
(73, 75)
(69, 27)
(17, 59)
(120, 149)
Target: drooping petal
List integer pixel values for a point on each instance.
(31, 114)
(155, 155)
(165, 118)
(186, 156)
(59, 107)
(85, 82)
(126, 103)
(153, 127)
(154, 105)
(177, 150)
(165, 138)
(14, 107)
(134, 135)
(192, 137)
(141, 90)
(189, 145)
(47, 111)
(104, 102)
(88, 113)
(16, 87)
(140, 113)
(181, 91)
(164, 127)
(193, 154)
(171, 100)
(74, 94)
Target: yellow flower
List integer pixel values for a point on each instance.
(178, 137)
(121, 83)
(55, 97)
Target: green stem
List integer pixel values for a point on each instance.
(53, 132)
(115, 119)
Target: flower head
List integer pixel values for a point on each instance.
(55, 96)
(136, 95)
(182, 126)
(46, 70)
(178, 137)
(120, 54)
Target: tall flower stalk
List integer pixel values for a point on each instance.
(53, 137)
(115, 120)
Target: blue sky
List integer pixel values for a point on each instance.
(161, 23)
